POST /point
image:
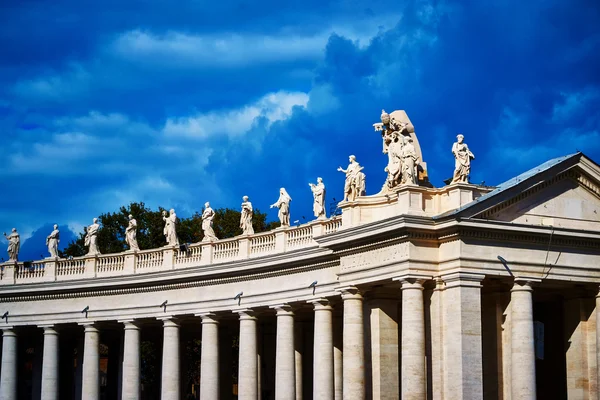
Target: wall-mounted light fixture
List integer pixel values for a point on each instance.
(164, 305)
(85, 310)
(313, 286)
(238, 297)
(503, 261)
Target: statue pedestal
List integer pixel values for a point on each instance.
(8, 272)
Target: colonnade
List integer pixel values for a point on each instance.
(461, 347)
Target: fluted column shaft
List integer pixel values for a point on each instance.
(130, 388)
(522, 342)
(248, 364)
(50, 364)
(353, 347)
(170, 361)
(323, 386)
(209, 363)
(413, 340)
(8, 379)
(90, 386)
(285, 357)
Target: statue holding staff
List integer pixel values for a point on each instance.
(52, 241)
(463, 157)
(246, 217)
(318, 191)
(131, 234)
(14, 245)
(283, 203)
(207, 223)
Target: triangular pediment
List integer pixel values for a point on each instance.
(563, 192)
(565, 204)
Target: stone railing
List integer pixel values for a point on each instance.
(263, 244)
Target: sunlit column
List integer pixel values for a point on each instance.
(248, 356)
(170, 360)
(90, 389)
(323, 388)
(522, 346)
(131, 361)
(50, 364)
(209, 363)
(413, 340)
(8, 379)
(353, 350)
(285, 361)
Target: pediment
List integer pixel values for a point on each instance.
(565, 203)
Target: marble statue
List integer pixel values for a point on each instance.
(246, 217)
(91, 237)
(207, 223)
(402, 148)
(52, 241)
(354, 185)
(318, 191)
(170, 230)
(131, 234)
(283, 203)
(14, 245)
(409, 162)
(463, 157)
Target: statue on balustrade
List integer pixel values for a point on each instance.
(401, 146)
(131, 234)
(318, 191)
(14, 245)
(52, 241)
(91, 237)
(246, 217)
(354, 185)
(463, 157)
(170, 230)
(283, 203)
(207, 223)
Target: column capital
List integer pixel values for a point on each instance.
(246, 314)
(524, 284)
(208, 318)
(321, 304)
(8, 331)
(169, 321)
(49, 329)
(463, 279)
(350, 292)
(89, 327)
(410, 280)
(130, 324)
(283, 309)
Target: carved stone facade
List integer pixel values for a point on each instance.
(403, 296)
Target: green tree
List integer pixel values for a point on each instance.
(111, 236)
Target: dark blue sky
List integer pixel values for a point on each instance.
(177, 103)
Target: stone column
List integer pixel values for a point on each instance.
(338, 345)
(353, 350)
(248, 364)
(522, 344)
(8, 379)
(50, 364)
(90, 385)
(413, 340)
(323, 385)
(169, 388)
(463, 350)
(299, 346)
(130, 384)
(209, 363)
(285, 358)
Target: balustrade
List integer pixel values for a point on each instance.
(197, 254)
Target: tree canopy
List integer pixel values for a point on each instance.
(111, 236)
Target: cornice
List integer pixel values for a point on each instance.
(164, 286)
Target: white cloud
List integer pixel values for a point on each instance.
(236, 122)
(55, 85)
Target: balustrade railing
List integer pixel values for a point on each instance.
(165, 258)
